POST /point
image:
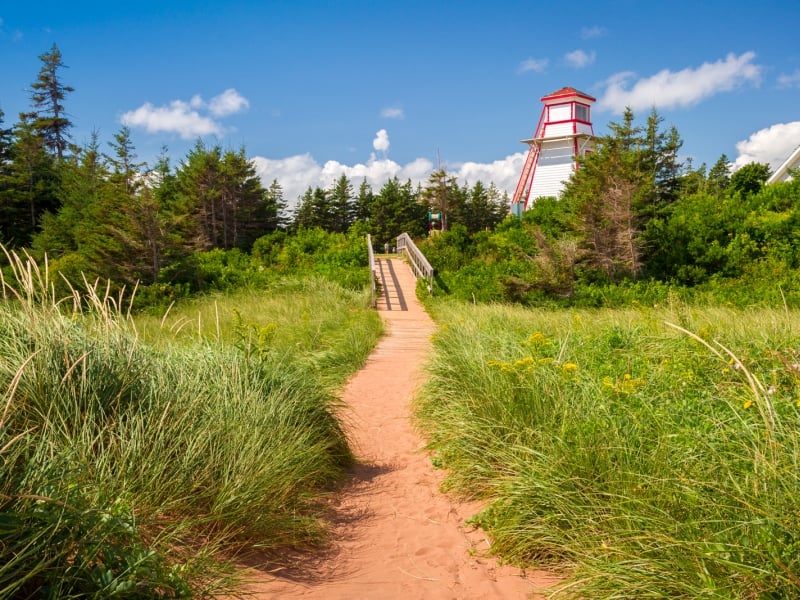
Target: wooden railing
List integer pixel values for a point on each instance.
(372, 275)
(419, 264)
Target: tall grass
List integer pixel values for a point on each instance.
(327, 328)
(134, 471)
(649, 453)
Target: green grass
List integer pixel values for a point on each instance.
(327, 329)
(136, 463)
(649, 453)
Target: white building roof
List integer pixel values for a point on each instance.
(782, 172)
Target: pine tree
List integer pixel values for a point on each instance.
(396, 209)
(47, 95)
(31, 186)
(83, 179)
(364, 201)
(719, 177)
(342, 205)
(6, 184)
(275, 200)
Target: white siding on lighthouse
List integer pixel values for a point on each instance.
(554, 167)
(558, 129)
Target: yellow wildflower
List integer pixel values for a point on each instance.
(748, 404)
(537, 338)
(569, 367)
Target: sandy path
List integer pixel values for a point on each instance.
(396, 535)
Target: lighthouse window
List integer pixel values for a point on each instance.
(581, 112)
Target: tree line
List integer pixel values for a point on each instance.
(100, 212)
(634, 211)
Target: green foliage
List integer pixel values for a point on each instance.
(395, 210)
(648, 460)
(750, 178)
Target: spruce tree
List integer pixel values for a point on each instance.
(47, 95)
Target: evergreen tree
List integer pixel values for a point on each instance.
(483, 209)
(342, 205)
(31, 185)
(226, 205)
(198, 191)
(6, 182)
(364, 201)
(719, 177)
(275, 199)
(127, 173)
(314, 210)
(603, 194)
(47, 95)
(396, 209)
(248, 209)
(303, 215)
(83, 179)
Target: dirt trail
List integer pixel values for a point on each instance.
(396, 535)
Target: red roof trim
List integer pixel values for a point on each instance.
(567, 92)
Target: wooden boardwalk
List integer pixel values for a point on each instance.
(389, 272)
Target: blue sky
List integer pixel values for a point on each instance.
(376, 89)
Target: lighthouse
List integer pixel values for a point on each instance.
(564, 133)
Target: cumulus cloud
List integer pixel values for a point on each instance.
(189, 120)
(537, 65)
(227, 103)
(789, 81)
(177, 117)
(504, 173)
(772, 145)
(593, 32)
(579, 58)
(381, 141)
(298, 173)
(393, 112)
(668, 89)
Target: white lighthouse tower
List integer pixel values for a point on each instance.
(564, 132)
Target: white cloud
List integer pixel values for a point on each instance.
(503, 173)
(186, 118)
(590, 33)
(579, 58)
(177, 117)
(393, 112)
(667, 89)
(381, 141)
(789, 81)
(772, 145)
(537, 65)
(228, 103)
(297, 173)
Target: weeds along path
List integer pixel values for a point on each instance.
(395, 535)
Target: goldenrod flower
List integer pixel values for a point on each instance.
(537, 338)
(569, 367)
